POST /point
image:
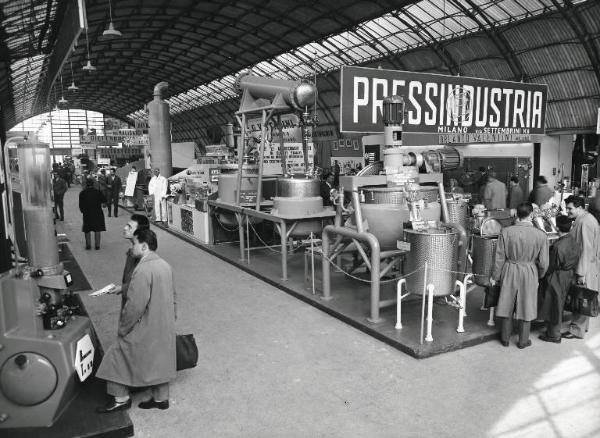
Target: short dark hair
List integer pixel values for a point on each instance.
(577, 201)
(148, 237)
(541, 179)
(563, 223)
(514, 179)
(141, 220)
(524, 209)
(89, 182)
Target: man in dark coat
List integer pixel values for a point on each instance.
(515, 193)
(90, 205)
(113, 188)
(137, 222)
(144, 352)
(542, 192)
(564, 255)
(59, 187)
(521, 260)
(326, 187)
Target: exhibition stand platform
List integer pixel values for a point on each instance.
(351, 300)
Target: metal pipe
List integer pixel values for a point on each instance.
(281, 146)
(242, 123)
(283, 249)
(325, 267)
(357, 211)
(445, 215)
(399, 303)
(373, 243)
(261, 150)
(430, 290)
(159, 89)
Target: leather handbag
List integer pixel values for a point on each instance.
(492, 293)
(186, 351)
(582, 300)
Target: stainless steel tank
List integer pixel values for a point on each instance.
(386, 210)
(439, 248)
(159, 131)
(483, 251)
(298, 187)
(228, 183)
(299, 198)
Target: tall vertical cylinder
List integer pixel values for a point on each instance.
(34, 171)
(159, 130)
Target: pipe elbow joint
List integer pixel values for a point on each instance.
(159, 89)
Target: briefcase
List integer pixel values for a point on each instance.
(492, 293)
(582, 300)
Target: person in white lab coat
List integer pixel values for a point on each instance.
(158, 187)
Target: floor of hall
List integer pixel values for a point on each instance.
(273, 366)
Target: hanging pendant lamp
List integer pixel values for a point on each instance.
(111, 32)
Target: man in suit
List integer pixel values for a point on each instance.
(113, 188)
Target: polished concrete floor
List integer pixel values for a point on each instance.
(273, 366)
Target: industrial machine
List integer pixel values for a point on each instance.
(46, 342)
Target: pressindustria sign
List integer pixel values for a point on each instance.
(458, 109)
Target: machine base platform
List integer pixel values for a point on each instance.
(80, 419)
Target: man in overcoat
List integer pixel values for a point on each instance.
(521, 259)
(90, 205)
(144, 352)
(586, 232)
(564, 255)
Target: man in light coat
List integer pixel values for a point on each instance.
(494, 193)
(158, 187)
(144, 352)
(521, 259)
(586, 232)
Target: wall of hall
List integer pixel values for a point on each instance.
(556, 150)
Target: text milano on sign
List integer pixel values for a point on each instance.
(441, 104)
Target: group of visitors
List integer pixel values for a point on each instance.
(524, 265)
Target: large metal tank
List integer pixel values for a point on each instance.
(386, 210)
(439, 248)
(484, 250)
(228, 183)
(299, 197)
(159, 131)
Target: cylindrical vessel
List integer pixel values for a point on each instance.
(159, 131)
(228, 183)
(438, 247)
(483, 253)
(458, 212)
(298, 187)
(34, 170)
(298, 95)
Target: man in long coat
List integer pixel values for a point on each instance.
(113, 187)
(564, 255)
(90, 205)
(521, 259)
(586, 232)
(494, 193)
(144, 352)
(158, 187)
(59, 187)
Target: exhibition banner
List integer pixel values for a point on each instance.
(470, 109)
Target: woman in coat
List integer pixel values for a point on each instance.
(521, 259)
(564, 255)
(90, 205)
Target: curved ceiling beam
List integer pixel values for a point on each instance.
(497, 39)
(429, 40)
(571, 15)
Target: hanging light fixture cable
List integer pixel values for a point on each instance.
(88, 66)
(111, 32)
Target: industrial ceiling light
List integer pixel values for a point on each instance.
(62, 99)
(72, 87)
(88, 66)
(111, 32)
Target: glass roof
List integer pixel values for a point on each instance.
(413, 26)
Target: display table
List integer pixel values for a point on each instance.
(187, 220)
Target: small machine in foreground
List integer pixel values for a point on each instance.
(46, 347)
